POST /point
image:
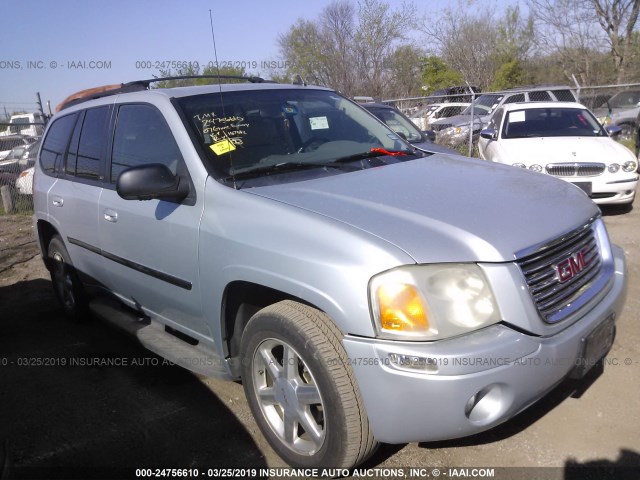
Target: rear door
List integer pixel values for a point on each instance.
(150, 248)
(73, 199)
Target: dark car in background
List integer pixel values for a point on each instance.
(404, 127)
(454, 94)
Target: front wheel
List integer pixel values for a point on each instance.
(627, 132)
(302, 390)
(66, 283)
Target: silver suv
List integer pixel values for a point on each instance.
(363, 291)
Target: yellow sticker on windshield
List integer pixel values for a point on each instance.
(222, 147)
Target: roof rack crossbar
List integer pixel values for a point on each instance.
(146, 83)
(139, 85)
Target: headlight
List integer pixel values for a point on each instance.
(535, 168)
(613, 168)
(604, 121)
(456, 130)
(519, 165)
(630, 166)
(429, 302)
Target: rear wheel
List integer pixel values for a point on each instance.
(66, 284)
(302, 390)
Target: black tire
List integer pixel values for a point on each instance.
(328, 426)
(627, 131)
(66, 284)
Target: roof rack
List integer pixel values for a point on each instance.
(140, 85)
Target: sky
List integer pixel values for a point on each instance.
(63, 46)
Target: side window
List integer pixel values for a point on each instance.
(86, 149)
(142, 136)
(496, 119)
(564, 95)
(72, 156)
(92, 142)
(56, 142)
(515, 98)
(540, 96)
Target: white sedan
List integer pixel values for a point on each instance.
(24, 183)
(564, 140)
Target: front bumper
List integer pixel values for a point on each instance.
(482, 379)
(607, 190)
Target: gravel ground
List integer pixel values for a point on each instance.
(88, 420)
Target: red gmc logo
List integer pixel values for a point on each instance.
(570, 267)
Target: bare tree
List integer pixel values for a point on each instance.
(352, 48)
(379, 34)
(338, 25)
(618, 19)
(574, 32)
(466, 43)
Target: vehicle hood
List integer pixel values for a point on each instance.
(461, 120)
(618, 113)
(544, 150)
(434, 147)
(445, 208)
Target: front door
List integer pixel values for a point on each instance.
(150, 248)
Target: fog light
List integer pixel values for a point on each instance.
(488, 404)
(413, 363)
(613, 168)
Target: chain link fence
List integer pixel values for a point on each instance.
(452, 127)
(19, 144)
(445, 115)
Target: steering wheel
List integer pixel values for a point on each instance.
(312, 144)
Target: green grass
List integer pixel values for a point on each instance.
(630, 144)
(23, 206)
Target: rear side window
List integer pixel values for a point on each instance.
(564, 95)
(56, 142)
(85, 161)
(540, 96)
(515, 98)
(142, 136)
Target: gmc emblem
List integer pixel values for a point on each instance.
(572, 266)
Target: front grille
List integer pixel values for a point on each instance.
(575, 169)
(562, 271)
(440, 126)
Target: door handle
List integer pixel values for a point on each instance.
(57, 201)
(111, 215)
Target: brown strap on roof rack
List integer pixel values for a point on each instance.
(89, 92)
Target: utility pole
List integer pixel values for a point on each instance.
(39, 103)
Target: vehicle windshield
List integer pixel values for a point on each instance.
(551, 122)
(398, 123)
(244, 131)
(483, 105)
(625, 100)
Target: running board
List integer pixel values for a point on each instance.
(152, 335)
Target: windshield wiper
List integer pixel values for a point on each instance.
(283, 167)
(374, 152)
(258, 170)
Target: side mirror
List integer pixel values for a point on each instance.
(151, 181)
(613, 130)
(430, 134)
(401, 135)
(489, 134)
